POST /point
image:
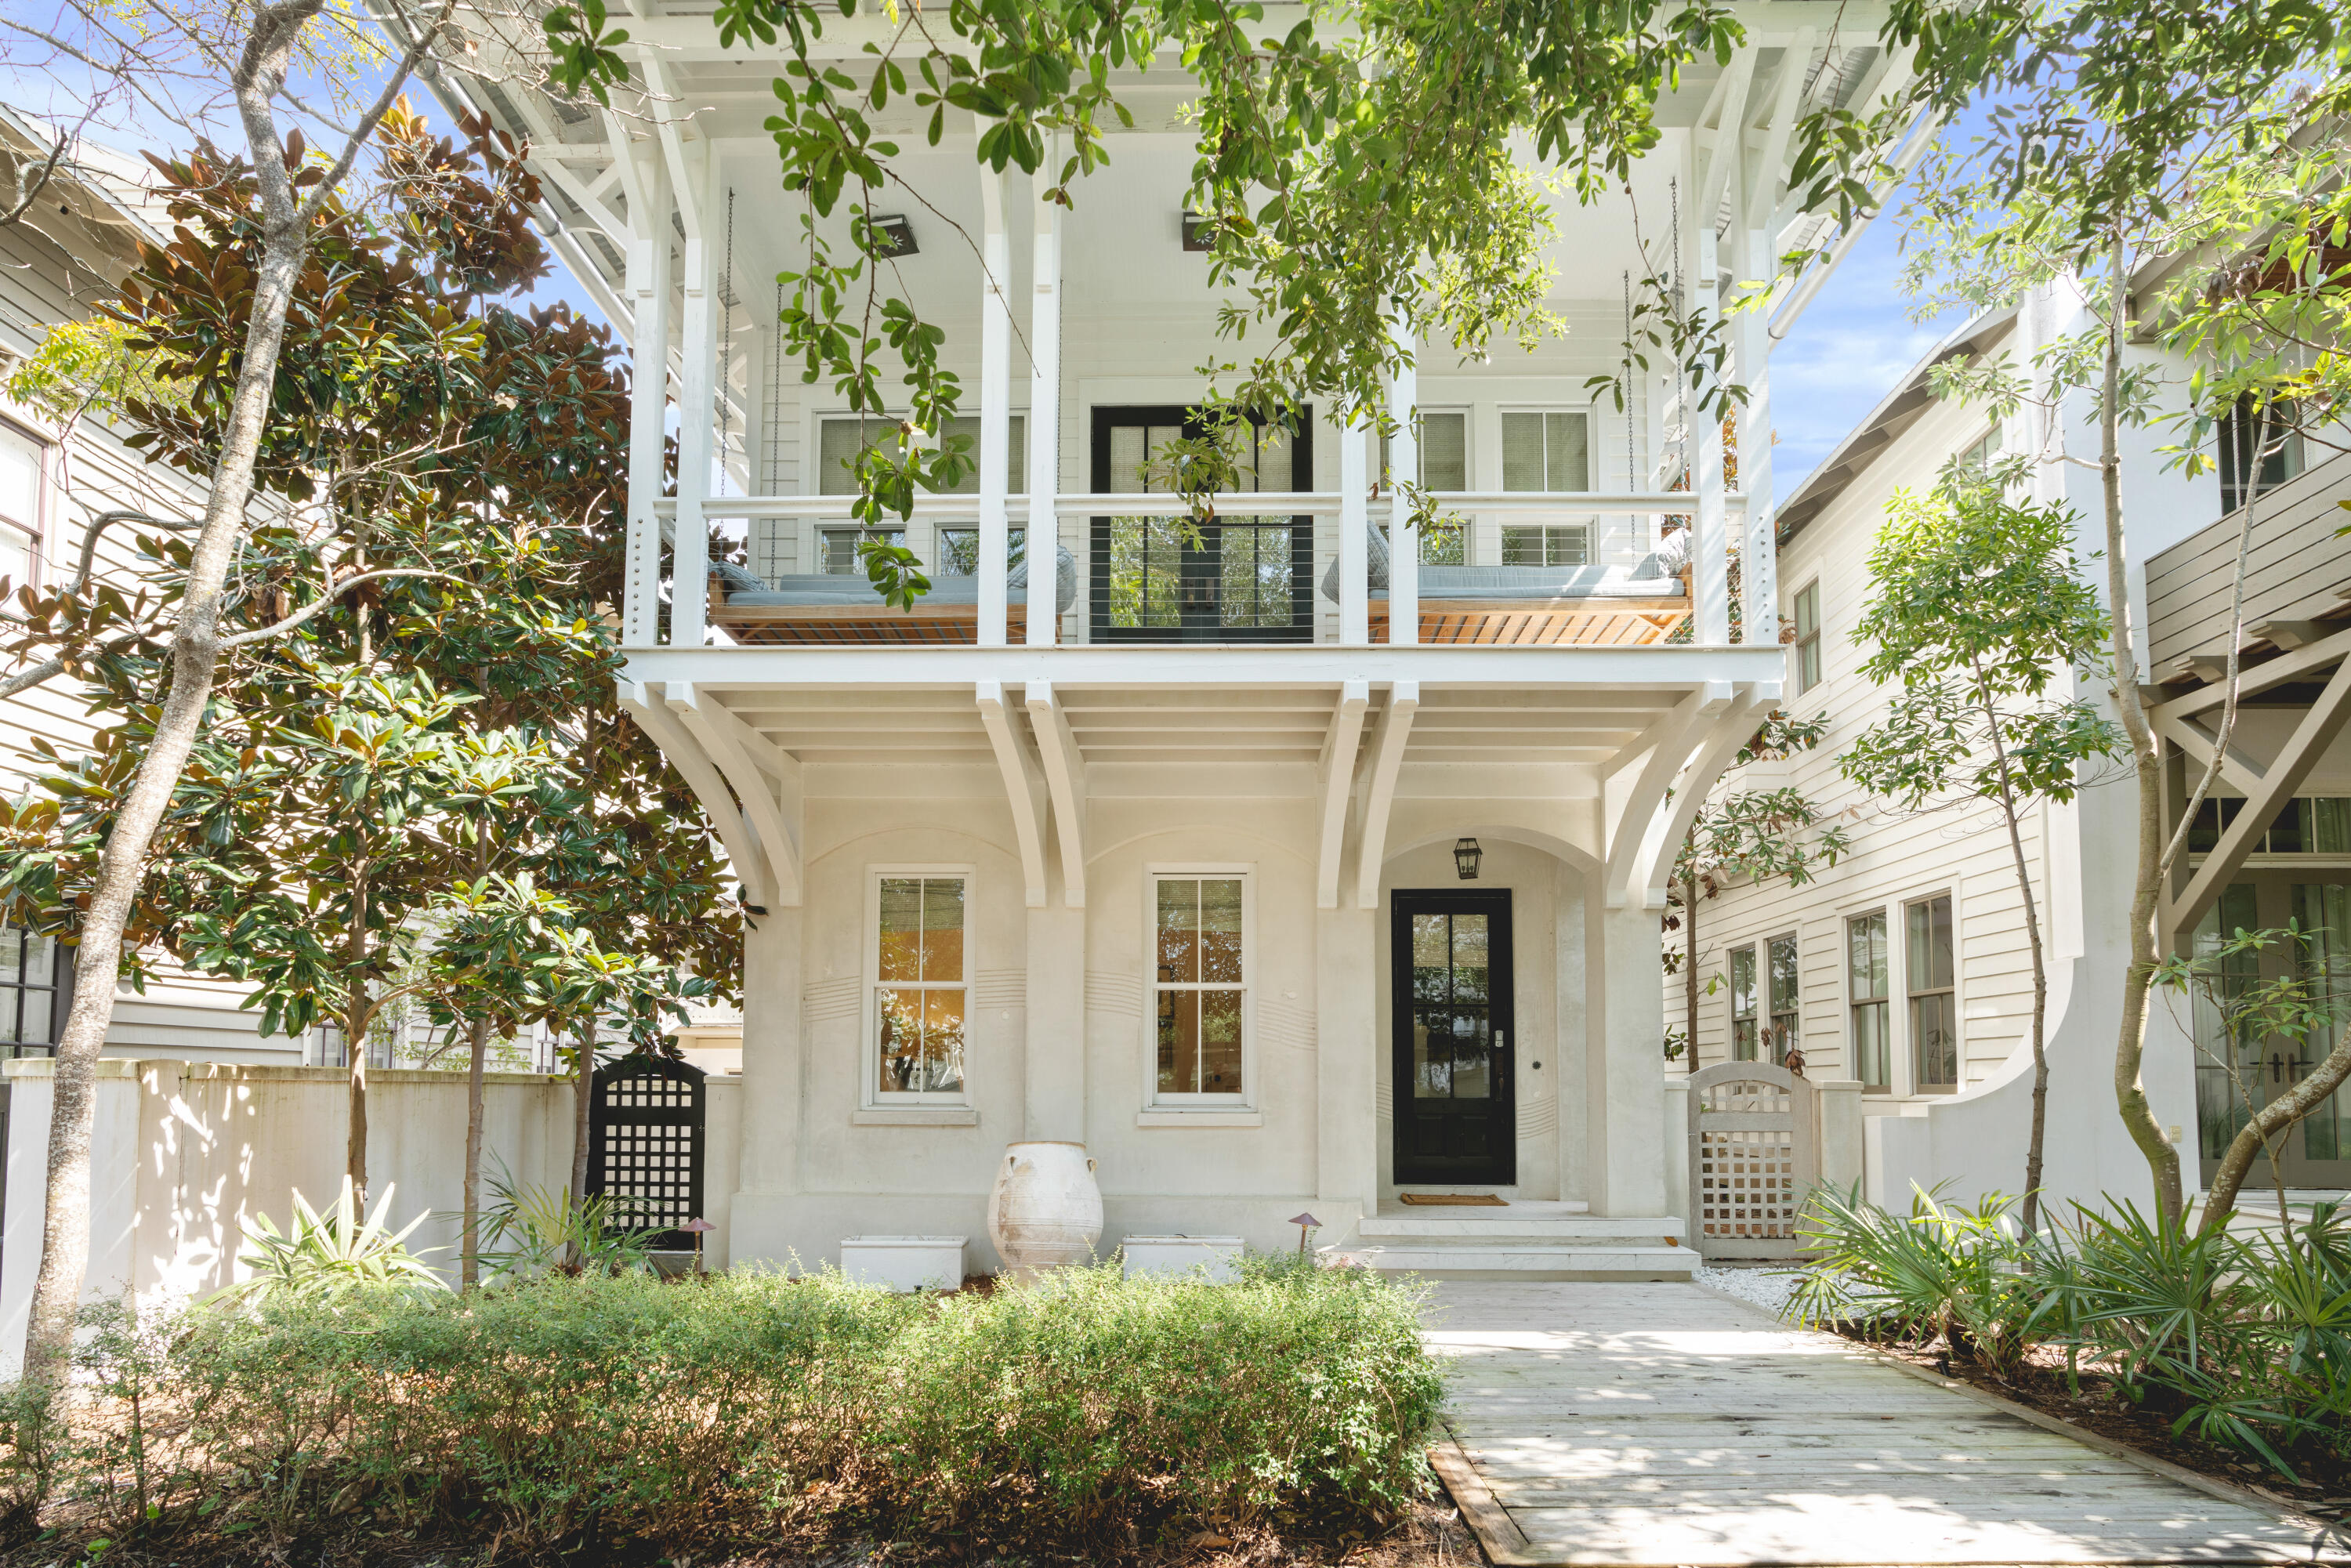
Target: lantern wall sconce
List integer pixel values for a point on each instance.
(1466, 856)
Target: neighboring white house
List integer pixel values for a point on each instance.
(1156, 848)
(1905, 967)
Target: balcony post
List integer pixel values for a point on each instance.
(995, 409)
(1710, 544)
(1354, 524)
(1045, 416)
(647, 284)
(697, 408)
(1404, 464)
(1759, 572)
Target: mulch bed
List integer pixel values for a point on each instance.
(1433, 1536)
(2102, 1408)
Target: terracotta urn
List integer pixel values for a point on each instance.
(1045, 1209)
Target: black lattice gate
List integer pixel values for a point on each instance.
(645, 1142)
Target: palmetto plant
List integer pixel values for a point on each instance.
(530, 1229)
(1943, 1270)
(327, 1254)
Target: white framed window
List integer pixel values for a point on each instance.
(1443, 448)
(1546, 450)
(1743, 1003)
(836, 551)
(1869, 1001)
(1929, 971)
(918, 986)
(24, 473)
(959, 550)
(1808, 637)
(1546, 544)
(840, 437)
(1203, 960)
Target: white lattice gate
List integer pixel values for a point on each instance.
(1755, 1156)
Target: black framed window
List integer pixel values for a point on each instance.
(35, 988)
(1239, 578)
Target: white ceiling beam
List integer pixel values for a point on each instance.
(1023, 788)
(1379, 797)
(1763, 189)
(1730, 149)
(1730, 731)
(722, 739)
(644, 704)
(1337, 783)
(1675, 734)
(684, 179)
(1065, 777)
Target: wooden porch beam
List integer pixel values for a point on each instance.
(725, 741)
(2294, 761)
(1065, 779)
(2252, 679)
(1379, 798)
(2240, 770)
(1336, 784)
(644, 704)
(1021, 786)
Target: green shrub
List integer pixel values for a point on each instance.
(616, 1407)
(2243, 1336)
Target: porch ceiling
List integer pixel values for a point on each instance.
(1253, 725)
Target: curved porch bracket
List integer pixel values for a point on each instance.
(1337, 783)
(765, 778)
(1024, 789)
(1731, 732)
(1667, 743)
(1065, 780)
(643, 703)
(1379, 798)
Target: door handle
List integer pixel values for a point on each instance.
(1502, 1040)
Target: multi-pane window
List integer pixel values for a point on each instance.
(1742, 1004)
(1977, 460)
(1239, 571)
(2306, 825)
(1546, 452)
(2280, 459)
(1787, 1028)
(1443, 451)
(1199, 993)
(1870, 997)
(1934, 1002)
(837, 554)
(920, 985)
(959, 550)
(21, 464)
(31, 970)
(1550, 544)
(840, 441)
(1808, 637)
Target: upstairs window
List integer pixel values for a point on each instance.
(1444, 450)
(959, 550)
(1546, 452)
(1550, 544)
(840, 441)
(2280, 460)
(23, 464)
(837, 549)
(1808, 637)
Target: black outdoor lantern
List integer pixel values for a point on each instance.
(1466, 856)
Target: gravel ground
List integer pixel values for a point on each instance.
(1767, 1288)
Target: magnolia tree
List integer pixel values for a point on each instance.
(2119, 138)
(1977, 610)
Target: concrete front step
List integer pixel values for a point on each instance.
(1479, 1227)
(1504, 1260)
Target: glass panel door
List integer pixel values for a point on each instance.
(2239, 1069)
(1456, 1116)
(1237, 578)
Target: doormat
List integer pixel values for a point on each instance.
(1454, 1200)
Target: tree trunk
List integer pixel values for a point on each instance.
(195, 654)
(2035, 1142)
(583, 1091)
(357, 1010)
(2130, 1039)
(259, 76)
(469, 1269)
(1689, 975)
(2272, 1119)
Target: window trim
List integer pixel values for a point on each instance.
(1853, 1001)
(1730, 987)
(1771, 1035)
(44, 451)
(1204, 1106)
(1807, 641)
(1910, 994)
(1420, 412)
(870, 1096)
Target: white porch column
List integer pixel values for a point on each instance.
(1625, 1091)
(697, 410)
(1759, 581)
(1056, 1066)
(1347, 1060)
(647, 285)
(768, 1171)
(1045, 419)
(995, 408)
(1404, 464)
(1355, 523)
(1711, 538)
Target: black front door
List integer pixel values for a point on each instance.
(1456, 1107)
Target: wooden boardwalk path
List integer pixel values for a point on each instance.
(1662, 1424)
